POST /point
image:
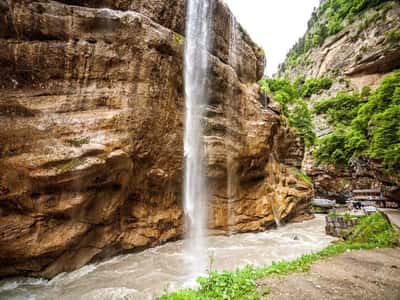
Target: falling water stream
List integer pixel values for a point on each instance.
(232, 182)
(144, 275)
(195, 191)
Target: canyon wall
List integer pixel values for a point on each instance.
(359, 56)
(91, 151)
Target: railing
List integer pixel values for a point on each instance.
(368, 195)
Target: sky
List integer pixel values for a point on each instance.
(275, 25)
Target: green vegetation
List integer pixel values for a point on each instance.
(364, 126)
(315, 86)
(70, 165)
(79, 142)
(393, 36)
(300, 175)
(330, 18)
(294, 108)
(373, 231)
(180, 39)
(341, 109)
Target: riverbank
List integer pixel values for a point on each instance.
(145, 275)
(363, 274)
(372, 232)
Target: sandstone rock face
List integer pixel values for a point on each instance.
(362, 52)
(91, 114)
(358, 56)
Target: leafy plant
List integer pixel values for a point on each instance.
(340, 109)
(393, 36)
(180, 39)
(364, 126)
(294, 108)
(79, 142)
(373, 231)
(70, 165)
(315, 86)
(300, 175)
(329, 19)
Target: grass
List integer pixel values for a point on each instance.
(345, 216)
(301, 176)
(78, 142)
(373, 231)
(393, 36)
(180, 39)
(70, 165)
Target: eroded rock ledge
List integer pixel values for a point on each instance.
(91, 113)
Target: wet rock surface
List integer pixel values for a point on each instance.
(148, 274)
(91, 112)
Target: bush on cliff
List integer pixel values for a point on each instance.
(315, 86)
(329, 19)
(364, 127)
(294, 108)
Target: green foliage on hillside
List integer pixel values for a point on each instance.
(330, 18)
(366, 126)
(314, 86)
(341, 109)
(393, 36)
(294, 108)
(373, 231)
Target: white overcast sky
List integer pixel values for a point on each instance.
(274, 24)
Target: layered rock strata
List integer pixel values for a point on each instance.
(91, 114)
(359, 56)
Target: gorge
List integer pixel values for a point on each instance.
(142, 145)
(92, 114)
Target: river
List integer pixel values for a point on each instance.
(144, 275)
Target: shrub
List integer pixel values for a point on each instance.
(314, 86)
(300, 175)
(293, 108)
(300, 118)
(393, 36)
(385, 137)
(340, 109)
(79, 142)
(368, 127)
(329, 19)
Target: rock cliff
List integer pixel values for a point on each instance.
(91, 114)
(358, 56)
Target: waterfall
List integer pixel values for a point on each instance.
(230, 105)
(277, 216)
(195, 189)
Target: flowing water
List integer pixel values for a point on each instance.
(195, 191)
(144, 275)
(231, 167)
(147, 274)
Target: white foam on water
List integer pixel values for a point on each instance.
(73, 276)
(12, 284)
(145, 275)
(113, 294)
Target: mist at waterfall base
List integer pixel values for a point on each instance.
(195, 188)
(145, 275)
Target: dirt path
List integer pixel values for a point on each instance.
(393, 214)
(373, 274)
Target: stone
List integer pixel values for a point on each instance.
(91, 152)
